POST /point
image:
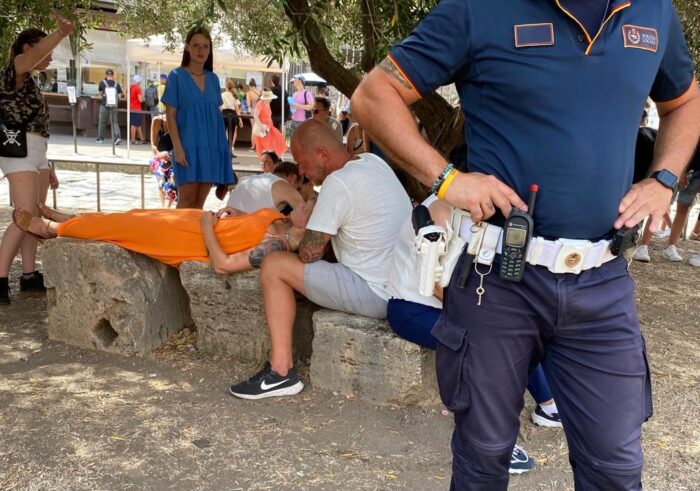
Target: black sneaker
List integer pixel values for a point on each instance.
(541, 418)
(117, 141)
(35, 283)
(4, 291)
(520, 461)
(268, 383)
(100, 140)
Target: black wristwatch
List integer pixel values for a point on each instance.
(667, 178)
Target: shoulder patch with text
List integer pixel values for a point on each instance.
(640, 37)
(527, 35)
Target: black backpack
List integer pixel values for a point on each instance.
(151, 96)
(309, 114)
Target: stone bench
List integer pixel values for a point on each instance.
(359, 356)
(103, 297)
(229, 315)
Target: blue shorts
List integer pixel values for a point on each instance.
(135, 119)
(686, 196)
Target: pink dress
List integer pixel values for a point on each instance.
(274, 140)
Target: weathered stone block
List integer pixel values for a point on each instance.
(356, 355)
(104, 297)
(229, 315)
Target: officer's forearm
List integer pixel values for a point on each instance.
(382, 112)
(679, 130)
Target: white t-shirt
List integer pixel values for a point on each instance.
(253, 193)
(363, 206)
(404, 274)
(229, 100)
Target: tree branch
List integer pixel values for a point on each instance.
(369, 34)
(322, 61)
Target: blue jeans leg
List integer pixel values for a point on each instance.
(538, 386)
(413, 321)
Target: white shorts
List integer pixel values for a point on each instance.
(34, 161)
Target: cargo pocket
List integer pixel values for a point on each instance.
(451, 365)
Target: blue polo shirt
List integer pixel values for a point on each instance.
(548, 103)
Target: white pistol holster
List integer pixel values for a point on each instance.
(429, 254)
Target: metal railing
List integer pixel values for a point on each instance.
(97, 165)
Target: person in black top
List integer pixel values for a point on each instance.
(107, 112)
(22, 105)
(277, 104)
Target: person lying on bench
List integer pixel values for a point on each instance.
(231, 244)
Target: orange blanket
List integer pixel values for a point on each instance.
(170, 236)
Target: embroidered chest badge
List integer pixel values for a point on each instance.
(638, 37)
(527, 35)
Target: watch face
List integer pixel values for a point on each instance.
(667, 178)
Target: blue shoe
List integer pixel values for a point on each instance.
(541, 418)
(520, 461)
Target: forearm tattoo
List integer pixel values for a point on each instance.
(388, 66)
(256, 256)
(312, 246)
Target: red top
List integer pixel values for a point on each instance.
(134, 93)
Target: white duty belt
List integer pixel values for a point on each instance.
(558, 256)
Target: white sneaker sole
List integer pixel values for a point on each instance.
(287, 391)
(672, 259)
(518, 471)
(642, 259)
(540, 421)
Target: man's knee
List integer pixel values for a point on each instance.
(284, 266)
(474, 468)
(599, 474)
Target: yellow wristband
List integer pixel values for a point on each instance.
(446, 183)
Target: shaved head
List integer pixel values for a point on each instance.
(313, 134)
(317, 151)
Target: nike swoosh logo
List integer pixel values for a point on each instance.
(264, 386)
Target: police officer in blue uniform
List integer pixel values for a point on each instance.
(552, 92)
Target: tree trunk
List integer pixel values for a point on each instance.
(443, 123)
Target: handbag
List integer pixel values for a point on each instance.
(260, 129)
(165, 143)
(13, 138)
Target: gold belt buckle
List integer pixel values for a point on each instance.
(571, 256)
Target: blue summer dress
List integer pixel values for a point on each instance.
(201, 129)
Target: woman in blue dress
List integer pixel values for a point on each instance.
(192, 99)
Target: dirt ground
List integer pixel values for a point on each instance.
(77, 419)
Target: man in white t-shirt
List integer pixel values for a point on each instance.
(278, 190)
(360, 211)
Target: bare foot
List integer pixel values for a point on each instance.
(53, 215)
(36, 226)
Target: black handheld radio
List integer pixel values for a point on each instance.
(517, 232)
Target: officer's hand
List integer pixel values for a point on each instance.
(646, 198)
(479, 194)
